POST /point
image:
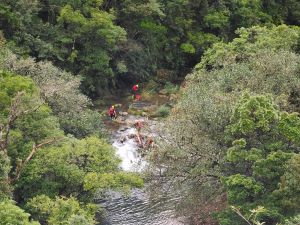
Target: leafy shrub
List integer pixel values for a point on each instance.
(60, 90)
(293, 221)
(163, 111)
(12, 214)
(61, 211)
(152, 87)
(171, 88)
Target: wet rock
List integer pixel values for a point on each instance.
(123, 129)
(123, 113)
(162, 92)
(173, 97)
(123, 139)
(119, 120)
(131, 136)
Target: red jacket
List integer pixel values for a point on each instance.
(135, 88)
(111, 111)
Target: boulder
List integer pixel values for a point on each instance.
(119, 105)
(131, 136)
(123, 139)
(123, 129)
(123, 113)
(162, 92)
(173, 97)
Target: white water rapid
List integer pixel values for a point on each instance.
(137, 208)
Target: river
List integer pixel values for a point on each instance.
(137, 208)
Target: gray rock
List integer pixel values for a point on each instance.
(123, 139)
(173, 97)
(123, 113)
(123, 129)
(131, 136)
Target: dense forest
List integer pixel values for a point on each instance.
(230, 145)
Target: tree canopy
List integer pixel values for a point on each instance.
(110, 42)
(230, 146)
(233, 136)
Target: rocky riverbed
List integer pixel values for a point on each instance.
(137, 208)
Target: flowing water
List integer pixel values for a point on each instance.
(137, 208)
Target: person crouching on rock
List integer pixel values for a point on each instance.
(112, 112)
(150, 142)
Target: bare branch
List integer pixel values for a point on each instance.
(240, 214)
(35, 147)
(14, 114)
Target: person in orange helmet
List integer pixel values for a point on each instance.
(135, 89)
(112, 112)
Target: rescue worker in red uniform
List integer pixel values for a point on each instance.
(138, 125)
(135, 89)
(149, 142)
(112, 112)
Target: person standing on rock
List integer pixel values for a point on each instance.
(112, 112)
(135, 89)
(138, 126)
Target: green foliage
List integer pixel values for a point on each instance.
(12, 214)
(65, 211)
(293, 221)
(61, 169)
(252, 114)
(212, 132)
(236, 121)
(75, 168)
(258, 166)
(289, 126)
(163, 111)
(188, 48)
(91, 38)
(24, 121)
(5, 188)
(61, 91)
(217, 19)
(289, 188)
(64, 32)
(241, 189)
(250, 41)
(37, 159)
(170, 88)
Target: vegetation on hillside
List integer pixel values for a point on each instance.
(233, 137)
(108, 41)
(40, 157)
(230, 146)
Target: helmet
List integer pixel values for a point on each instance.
(137, 85)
